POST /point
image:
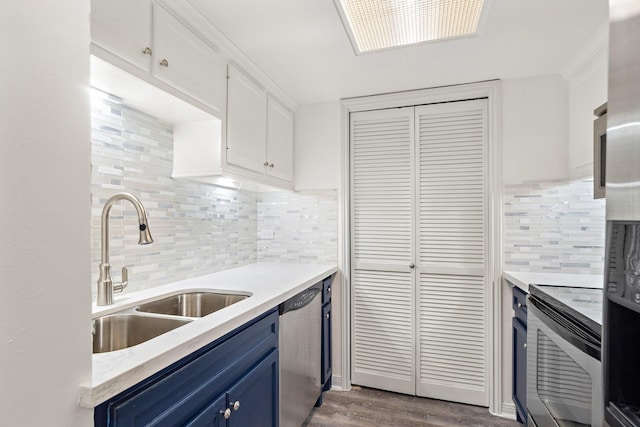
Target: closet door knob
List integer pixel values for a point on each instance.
(412, 265)
(271, 165)
(147, 51)
(265, 164)
(226, 413)
(164, 63)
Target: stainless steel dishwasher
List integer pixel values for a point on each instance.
(300, 350)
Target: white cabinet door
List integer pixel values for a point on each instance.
(452, 243)
(279, 140)
(382, 252)
(186, 62)
(246, 122)
(123, 27)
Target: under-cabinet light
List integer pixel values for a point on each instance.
(383, 24)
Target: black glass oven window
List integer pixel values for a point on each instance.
(562, 385)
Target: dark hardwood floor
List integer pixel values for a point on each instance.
(365, 407)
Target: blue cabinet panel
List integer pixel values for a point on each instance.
(519, 383)
(212, 415)
(326, 347)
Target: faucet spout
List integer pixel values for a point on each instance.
(106, 286)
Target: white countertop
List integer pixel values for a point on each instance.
(523, 279)
(268, 284)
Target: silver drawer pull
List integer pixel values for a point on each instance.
(236, 405)
(226, 413)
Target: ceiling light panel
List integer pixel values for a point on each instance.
(383, 24)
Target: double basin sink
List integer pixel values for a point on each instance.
(136, 325)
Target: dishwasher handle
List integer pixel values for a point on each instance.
(301, 300)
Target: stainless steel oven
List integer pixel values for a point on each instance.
(564, 374)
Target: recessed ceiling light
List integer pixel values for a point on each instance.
(382, 24)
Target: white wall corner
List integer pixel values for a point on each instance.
(588, 53)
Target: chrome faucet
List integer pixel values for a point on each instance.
(106, 287)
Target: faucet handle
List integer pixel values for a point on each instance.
(119, 287)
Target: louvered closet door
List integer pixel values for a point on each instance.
(382, 224)
(451, 246)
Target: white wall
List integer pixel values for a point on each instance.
(535, 129)
(45, 321)
(587, 73)
(317, 150)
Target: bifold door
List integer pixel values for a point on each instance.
(419, 225)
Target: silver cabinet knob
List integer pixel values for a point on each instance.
(265, 164)
(270, 165)
(519, 305)
(164, 63)
(412, 265)
(236, 405)
(329, 289)
(327, 315)
(226, 413)
(524, 345)
(147, 51)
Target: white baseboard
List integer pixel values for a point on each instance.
(508, 411)
(336, 383)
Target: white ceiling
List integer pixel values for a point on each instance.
(303, 47)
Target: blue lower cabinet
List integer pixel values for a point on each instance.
(195, 390)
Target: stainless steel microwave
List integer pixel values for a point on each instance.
(599, 151)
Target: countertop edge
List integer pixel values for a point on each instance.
(523, 280)
(149, 360)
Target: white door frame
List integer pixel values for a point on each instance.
(491, 91)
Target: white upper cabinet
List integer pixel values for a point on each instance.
(123, 27)
(185, 61)
(259, 130)
(161, 49)
(279, 140)
(246, 122)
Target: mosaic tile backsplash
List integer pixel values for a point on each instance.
(198, 229)
(554, 227)
(298, 227)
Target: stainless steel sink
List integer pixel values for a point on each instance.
(119, 331)
(191, 304)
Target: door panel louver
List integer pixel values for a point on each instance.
(382, 145)
(451, 149)
(452, 337)
(451, 183)
(382, 152)
(383, 352)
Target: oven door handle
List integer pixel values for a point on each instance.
(556, 323)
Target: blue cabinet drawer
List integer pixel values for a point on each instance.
(180, 392)
(520, 304)
(326, 290)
